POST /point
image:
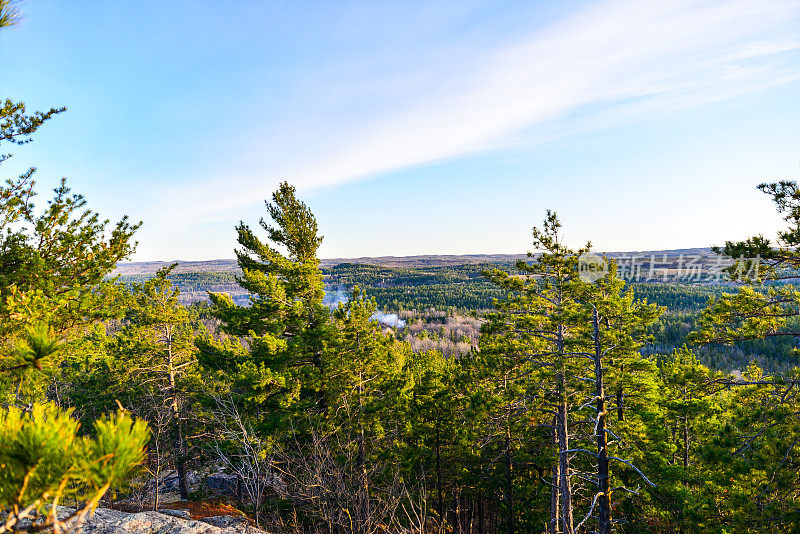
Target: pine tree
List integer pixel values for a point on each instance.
(54, 263)
(358, 370)
(753, 450)
(761, 308)
(9, 13)
(563, 344)
(436, 435)
(276, 350)
(44, 461)
(617, 329)
(53, 266)
(533, 334)
(157, 349)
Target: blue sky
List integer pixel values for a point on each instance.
(416, 128)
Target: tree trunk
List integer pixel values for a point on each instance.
(364, 500)
(565, 485)
(509, 483)
(179, 450)
(686, 441)
(620, 397)
(603, 479)
(562, 433)
(439, 503)
(480, 503)
(554, 491)
(686, 451)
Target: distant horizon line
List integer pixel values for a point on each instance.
(411, 256)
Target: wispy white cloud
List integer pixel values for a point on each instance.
(609, 62)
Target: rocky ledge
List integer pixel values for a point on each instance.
(105, 521)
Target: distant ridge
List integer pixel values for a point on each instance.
(148, 268)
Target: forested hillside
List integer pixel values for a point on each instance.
(447, 303)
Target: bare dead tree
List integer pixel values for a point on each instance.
(415, 507)
(159, 419)
(325, 480)
(245, 454)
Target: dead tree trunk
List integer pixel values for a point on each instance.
(603, 479)
(562, 435)
(178, 445)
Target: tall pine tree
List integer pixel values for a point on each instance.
(274, 357)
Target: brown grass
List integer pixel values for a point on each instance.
(212, 507)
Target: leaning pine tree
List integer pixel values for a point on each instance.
(272, 362)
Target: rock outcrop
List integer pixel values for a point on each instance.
(222, 483)
(105, 521)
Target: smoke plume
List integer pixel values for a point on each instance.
(334, 297)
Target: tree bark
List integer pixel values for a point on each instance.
(562, 433)
(179, 450)
(439, 503)
(565, 485)
(509, 483)
(603, 479)
(554, 491)
(620, 397)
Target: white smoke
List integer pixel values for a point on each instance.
(334, 297)
(389, 319)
